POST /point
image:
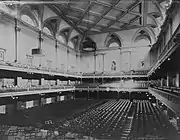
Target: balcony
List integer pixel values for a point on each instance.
(28, 90)
(114, 86)
(15, 66)
(170, 47)
(167, 97)
(137, 73)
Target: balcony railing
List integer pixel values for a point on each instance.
(31, 88)
(137, 72)
(41, 68)
(167, 97)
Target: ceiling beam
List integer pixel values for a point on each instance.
(144, 12)
(59, 12)
(114, 8)
(114, 4)
(107, 30)
(84, 13)
(126, 12)
(106, 17)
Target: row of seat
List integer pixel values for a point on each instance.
(112, 120)
(149, 120)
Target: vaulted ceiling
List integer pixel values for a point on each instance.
(75, 19)
(91, 17)
(101, 16)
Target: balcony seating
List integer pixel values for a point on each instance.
(87, 85)
(33, 67)
(119, 84)
(137, 72)
(12, 88)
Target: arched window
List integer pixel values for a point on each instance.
(27, 19)
(142, 41)
(70, 44)
(46, 30)
(113, 40)
(114, 44)
(144, 34)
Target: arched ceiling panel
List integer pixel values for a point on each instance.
(28, 20)
(71, 44)
(102, 16)
(152, 21)
(53, 23)
(26, 10)
(63, 25)
(46, 30)
(48, 13)
(61, 39)
(66, 33)
(73, 34)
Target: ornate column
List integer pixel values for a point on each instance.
(162, 82)
(167, 82)
(17, 30)
(40, 40)
(95, 62)
(177, 79)
(77, 64)
(120, 59)
(67, 65)
(103, 69)
(56, 49)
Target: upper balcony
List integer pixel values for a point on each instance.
(168, 96)
(18, 67)
(130, 74)
(168, 39)
(11, 90)
(30, 69)
(130, 86)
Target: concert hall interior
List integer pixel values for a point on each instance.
(89, 69)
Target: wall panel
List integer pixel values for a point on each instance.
(27, 40)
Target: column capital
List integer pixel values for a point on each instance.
(17, 29)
